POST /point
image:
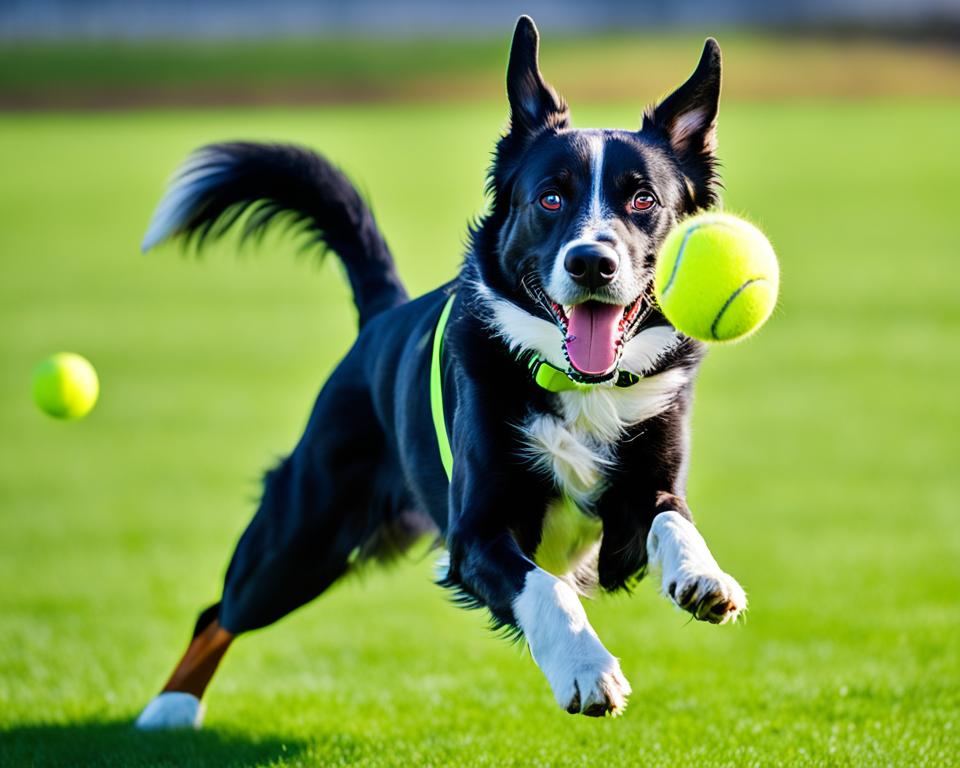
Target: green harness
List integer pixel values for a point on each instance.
(546, 376)
(436, 390)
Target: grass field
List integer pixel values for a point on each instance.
(314, 71)
(824, 474)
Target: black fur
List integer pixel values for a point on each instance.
(270, 182)
(368, 465)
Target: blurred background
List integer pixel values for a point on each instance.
(826, 450)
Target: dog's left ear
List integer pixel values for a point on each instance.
(534, 105)
(688, 120)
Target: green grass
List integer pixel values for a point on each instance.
(824, 467)
(595, 68)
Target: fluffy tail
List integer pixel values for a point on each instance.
(220, 182)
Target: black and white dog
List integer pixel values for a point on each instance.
(551, 389)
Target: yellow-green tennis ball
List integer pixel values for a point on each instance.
(65, 386)
(716, 277)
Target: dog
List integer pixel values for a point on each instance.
(532, 413)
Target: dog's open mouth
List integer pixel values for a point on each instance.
(594, 335)
(593, 332)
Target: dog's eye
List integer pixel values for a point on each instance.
(551, 201)
(643, 201)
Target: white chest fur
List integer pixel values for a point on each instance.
(577, 450)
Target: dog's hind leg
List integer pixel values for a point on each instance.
(324, 506)
(178, 704)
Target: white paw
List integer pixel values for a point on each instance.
(583, 675)
(586, 679)
(714, 596)
(170, 711)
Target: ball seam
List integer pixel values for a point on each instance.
(682, 248)
(730, 299)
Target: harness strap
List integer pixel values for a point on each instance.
(436, 390)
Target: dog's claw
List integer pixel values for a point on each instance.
(687, 594)
(596, 710)
(605, 694)
(715, 598)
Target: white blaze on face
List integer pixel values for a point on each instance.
(592, 221)
(594, 318)
(596, 143)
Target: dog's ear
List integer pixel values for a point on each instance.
(534, 105)
(687, 118)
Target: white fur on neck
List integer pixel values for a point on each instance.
(524, 332)
(603, 411)
(642, 353)
(606, 412)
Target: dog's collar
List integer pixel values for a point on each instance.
(547, 376)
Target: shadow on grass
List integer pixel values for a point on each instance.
(118, 743)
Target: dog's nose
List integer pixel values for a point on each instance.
(592, 265)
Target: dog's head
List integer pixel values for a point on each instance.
(578, 215)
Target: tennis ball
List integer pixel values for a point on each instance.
(65, 386)
(716, 277)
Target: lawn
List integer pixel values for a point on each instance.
(605, 67)
(824, 472)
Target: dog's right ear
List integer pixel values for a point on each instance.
(534, 105)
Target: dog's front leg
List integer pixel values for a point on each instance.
(491, 495)
(583, 675)
(690, 574)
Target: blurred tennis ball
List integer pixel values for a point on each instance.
(65, 386)
(716, 277)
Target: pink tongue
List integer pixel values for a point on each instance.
(593, 331)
